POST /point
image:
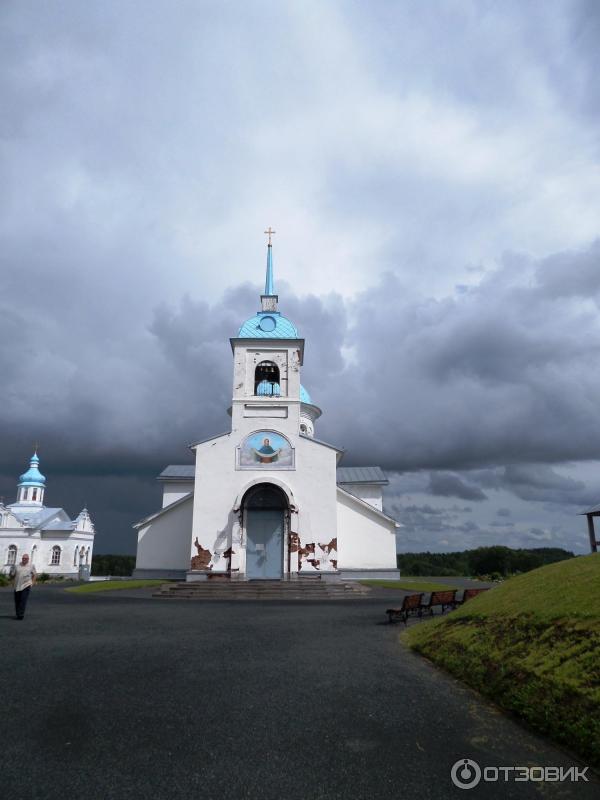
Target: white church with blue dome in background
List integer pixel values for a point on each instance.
(54, 542)
(267, 500)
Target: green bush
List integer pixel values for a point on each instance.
(4, 580)
(117, 565)
(43, 577)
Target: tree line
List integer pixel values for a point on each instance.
(495, 560)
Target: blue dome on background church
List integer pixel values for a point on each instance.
(33, 477)
(304, 396)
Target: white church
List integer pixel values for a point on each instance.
(267, 499)
(54, 542)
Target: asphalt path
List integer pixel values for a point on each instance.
(106, 696)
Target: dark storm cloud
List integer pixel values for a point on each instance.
(446, 484)
(501, 373)
(537, 482)
(139, 154)
(541, 482)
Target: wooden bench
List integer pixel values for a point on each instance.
(445, 599)
(469, 593)
(411, 604)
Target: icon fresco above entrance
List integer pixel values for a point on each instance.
(265, 450)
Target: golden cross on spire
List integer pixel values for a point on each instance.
(270, 232)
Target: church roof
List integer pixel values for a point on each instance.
(368, 507)
(304, 396)
(164, 510)
(42, 518)
(33, 476)
(183, 472)
(268, 325)
(361, 475)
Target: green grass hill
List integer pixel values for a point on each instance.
(532, 645)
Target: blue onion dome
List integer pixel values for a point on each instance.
(33, 477)
(267, 389)
(304, 396)
(268, 325)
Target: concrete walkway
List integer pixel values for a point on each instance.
(107, 696)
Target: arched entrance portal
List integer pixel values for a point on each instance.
(265, 512)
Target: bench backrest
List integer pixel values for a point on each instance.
(469, 593)
(411, 601)
(441, 598)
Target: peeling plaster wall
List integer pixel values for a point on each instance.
(165, 542)
(218, 484)
(364, 542)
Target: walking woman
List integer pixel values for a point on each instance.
(24, 575)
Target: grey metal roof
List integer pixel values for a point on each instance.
(59, 525)
(320, 441)
(368, 506)
(593, 510)
(38, 517)
(163, 510)
(209, 439)
(182, 472)
(361, 475)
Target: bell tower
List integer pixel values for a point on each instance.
(32, 484)
(267, 357)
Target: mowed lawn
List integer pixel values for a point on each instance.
(108, 586)
(531, 644)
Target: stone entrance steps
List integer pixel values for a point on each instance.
(263, 590)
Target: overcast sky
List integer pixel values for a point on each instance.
(432, 171)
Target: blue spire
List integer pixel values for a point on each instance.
(269, 288)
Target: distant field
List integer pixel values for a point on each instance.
(532, 644)
(408, 585)
(108, 586)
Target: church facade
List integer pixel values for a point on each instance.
(267, 499)
(55, 543)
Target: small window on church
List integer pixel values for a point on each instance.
(34, 497)
(25, 494)
(303, 428)
(11, 556)
(266, 379)
(55, 556)
(75, 556)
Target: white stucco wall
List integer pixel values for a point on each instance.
(42, 555)
(371, 493)
(164, 543)
(174, 490)
(364, 540)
